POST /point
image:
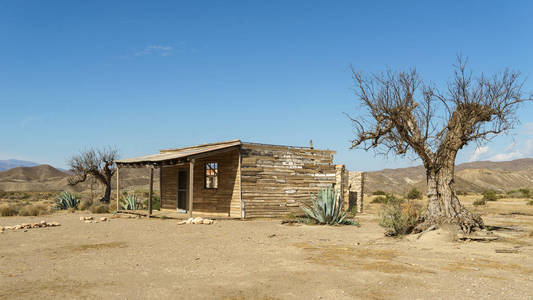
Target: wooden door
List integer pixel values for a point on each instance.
(183, 188)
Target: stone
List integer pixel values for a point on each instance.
(189, 221)
(43, 223)
(1, 228)
(82, 218)
(54, 224)
(17, 227)
(208, 221)
(89, 218)
(198, 220)
(182, 222)
(88, 221)
(35, 225)
(103, 219)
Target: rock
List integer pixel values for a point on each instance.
(1, 228)
(182, 222)
(198, 220)
(88, 218)
(88, 221)
(25, 225)
(82, 218)
(54, 224)
(17, 227)
(189, 221)
(208, 221)
(103, 219)
(43, 223)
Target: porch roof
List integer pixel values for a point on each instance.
(178, 154)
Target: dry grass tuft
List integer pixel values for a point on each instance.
(8, 210)
(100, 209)
(34, 210)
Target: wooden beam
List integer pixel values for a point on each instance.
(150, 193)
(118, 187)
(191, 185)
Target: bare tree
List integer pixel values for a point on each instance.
(407, 116)
(100, 164)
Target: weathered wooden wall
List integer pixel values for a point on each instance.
(276, 179)
(226, 198)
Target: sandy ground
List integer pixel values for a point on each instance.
(259, 259)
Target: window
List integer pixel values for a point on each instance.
(211, 175)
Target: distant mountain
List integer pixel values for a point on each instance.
(469, 177)
(13, 163)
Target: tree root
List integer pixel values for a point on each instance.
(468, 223)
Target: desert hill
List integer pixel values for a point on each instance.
(13, 163)
(470, 177)
(47, 178)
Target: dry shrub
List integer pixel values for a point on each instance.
(479, 202)
(34, 210)
(85, 204)
(399, 217)
(100, 209)
(8, 210)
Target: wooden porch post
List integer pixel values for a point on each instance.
(191, 185)
(151, 191)
(118, 187)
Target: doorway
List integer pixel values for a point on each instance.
(183, 189)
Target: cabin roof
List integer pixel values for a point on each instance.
(181, 153)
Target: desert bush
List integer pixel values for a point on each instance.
(156, 202)
(479, 202)
(85, 204)
(8, 210)
(34, 210)
(327, 208)
(399, 217)
(413, 194)
(388, 198)
(100, 209)
(66, 200)
(379, 193)
(490, 195)
(526, 193)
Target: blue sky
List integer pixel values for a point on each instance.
(146, 75)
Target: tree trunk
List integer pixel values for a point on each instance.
(107, 194)
(443, 204)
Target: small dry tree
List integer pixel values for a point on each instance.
(99, 164)
(404, 115)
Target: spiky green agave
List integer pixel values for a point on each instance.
(131, 203)
(327, 208)
(66, 200)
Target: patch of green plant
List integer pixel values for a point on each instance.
(156, 202)
(66, 200)
(379, 193)
(480, 202)
(163, 217)
(399, 218)
(131, 202)
(327, 208)
(413, 194)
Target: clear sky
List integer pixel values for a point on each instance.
(146, 75)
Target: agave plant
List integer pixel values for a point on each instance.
(66, 200)
(327, 208)
(131, 203)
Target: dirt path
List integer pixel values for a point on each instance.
(260, 259)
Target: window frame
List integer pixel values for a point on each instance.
(215, 176)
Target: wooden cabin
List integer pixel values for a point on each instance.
(241, 180)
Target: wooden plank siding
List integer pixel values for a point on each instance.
(276, 179)
(169, 186)
(223, 198)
